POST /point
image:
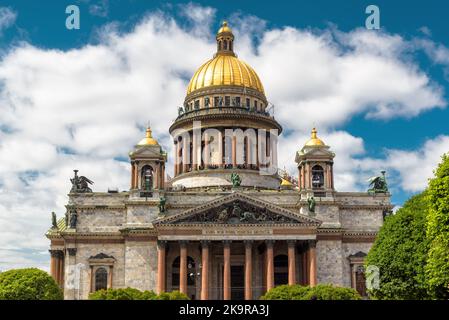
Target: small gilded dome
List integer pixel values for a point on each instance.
(225, 69)
(224, 28)
(286, 183)
(148, 140)
(314, 140)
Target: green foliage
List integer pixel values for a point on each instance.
(135, 294)
(28, 284)
(437, 268)
(320, 292)
(174, 295)
(400, 253)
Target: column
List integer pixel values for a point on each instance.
(110, 277)
(92, 279)
(270, 265)
(161, 253)
(176, 157)
(57, 268)
(220, 150)
(312, 263)
(132, 175)
(226, 270)
(61, 269)
(234, 151)
(156, 177)
(248, 270)
(53, 261)
(291, 262)
(183, 267)
(304, 267)
(204, 270)
(186, 157)
(136, 175)
(206, 153)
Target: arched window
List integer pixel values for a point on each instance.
(317, 176)
(225, 45)
(280, 269)
(101, 279)
(147, 178)
(191, 272)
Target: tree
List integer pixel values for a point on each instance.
(437, 268)
(28, 284)
(320, 292)
(400, 252)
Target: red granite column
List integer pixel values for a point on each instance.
(204, 270)
(226, 270)
(183, 267)
(291, 262)
(312, 263)
(53, 261)
(161, 269)
(270, 265)
(248, 270)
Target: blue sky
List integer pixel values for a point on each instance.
(369, 135)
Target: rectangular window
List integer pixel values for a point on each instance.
(255, 105)
(216, 101)
(197, 104)
(206, 102)
(237, 101)
(248, 105)
(227, 101)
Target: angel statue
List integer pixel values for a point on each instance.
(80, 184)
(54, 224)
(236, 180)
(378, 184)
(312, 203)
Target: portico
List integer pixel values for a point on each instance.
(236, 247)
(234, 269)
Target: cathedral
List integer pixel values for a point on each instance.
(229, 224)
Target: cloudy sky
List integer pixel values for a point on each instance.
(82, 98)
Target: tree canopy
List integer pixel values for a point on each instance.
(437, 268)
(400, 252)
(320, 292)
(28, 284)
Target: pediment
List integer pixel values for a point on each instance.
(148, 151)
(238, 208)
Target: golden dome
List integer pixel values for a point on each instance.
(224, 28)
(225, 69)
(148, 140)
(314, 140)
(286, 183)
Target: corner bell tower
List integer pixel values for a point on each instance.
(315, 166)
(147, 166)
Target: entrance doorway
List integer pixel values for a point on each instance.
(237, 283)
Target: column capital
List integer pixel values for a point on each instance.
(56, 253)
(269, 243)
(227, 242)
(312, 243)
(291, 243)
(205, 243)
(183, 243)
(161, 244)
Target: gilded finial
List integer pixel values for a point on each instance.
(314, 133)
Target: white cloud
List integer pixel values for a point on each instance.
(85, 108)
(99, 8)
(7, 18)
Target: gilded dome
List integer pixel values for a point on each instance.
(148, 140)
(225, 69)
(314, 140)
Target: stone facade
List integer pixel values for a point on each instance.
(224, 226)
